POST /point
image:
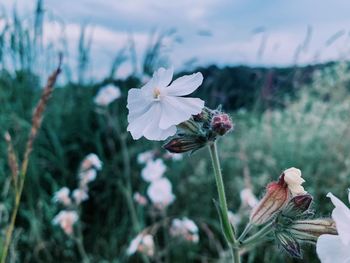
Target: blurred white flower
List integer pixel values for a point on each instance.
(185, 228)
(153, 170)
(62, 196)
(140, 199)
(107, 95)
(160, 193)
(174, 156)
(156, 108)
(292, 177)
(248, 198)
(145, 157)
(86, 177)
(66, 219)
(336, 248)
(91, 161)
(142, 243)
(80, 196)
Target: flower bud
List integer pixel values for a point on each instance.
(275, 199)
(289, 243)
(297, 205)
(221, 123)
(310, 230)
(190, 127)
(182, 144)
(204, 116)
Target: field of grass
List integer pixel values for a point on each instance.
(306, 125)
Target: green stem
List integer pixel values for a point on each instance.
(84, 256)
(227, 228)
(18, 196)
(122, 137)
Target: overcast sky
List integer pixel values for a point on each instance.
(223, 32)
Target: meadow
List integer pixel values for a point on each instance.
(292, 117)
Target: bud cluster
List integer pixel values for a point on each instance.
(199, 130)
(286, 205)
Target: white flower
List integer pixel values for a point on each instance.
(143, 243)
(190, 225)
(62, 196)
(91, 161)
(87, 177)
(174, 156)
(160, 193)
(292, 177)
(156, 108)
(153, 170)
(336, 248)
(145, 157)
(185, 228)
(66, 219)
(248, 198)
(80, 196)
(107, 95)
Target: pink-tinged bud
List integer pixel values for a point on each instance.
(310, 230)
(276, 197)
(221, 123)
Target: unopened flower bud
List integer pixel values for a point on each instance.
(204, 116)
(297, 205)
(184, 144)
(310, 230)
(275, 199)
(221, 123)
(289, 243)
(190, 127)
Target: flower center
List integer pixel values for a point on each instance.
(156, 94)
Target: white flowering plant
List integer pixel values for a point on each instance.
(158, 111)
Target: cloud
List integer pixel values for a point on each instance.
(230, 24)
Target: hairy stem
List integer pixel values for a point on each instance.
(226, 226)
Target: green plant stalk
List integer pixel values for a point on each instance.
(226, 226)
(122, 137)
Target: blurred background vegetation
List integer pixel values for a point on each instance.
(284, 117)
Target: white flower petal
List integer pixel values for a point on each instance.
(185, 85)
(177, 109)
(330, 249)
(163, 77)
(152, 131)
(153, 82)
(142, 122)
(138, 103)
(147, 125)
(341, 216)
